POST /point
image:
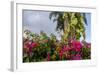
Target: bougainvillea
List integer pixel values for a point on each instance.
(47, 48)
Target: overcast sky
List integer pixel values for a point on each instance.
(37, 21)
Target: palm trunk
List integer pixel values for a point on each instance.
(65, 25)
(71, 34)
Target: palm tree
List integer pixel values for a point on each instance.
(71, 23)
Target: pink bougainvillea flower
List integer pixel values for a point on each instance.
(29, 45)
(77, 57)
(48, 56)
(88, 45)
(26, 46)
(60, 54)
(66, 48)
(34, 44)
(76, 45)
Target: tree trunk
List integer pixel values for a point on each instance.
(66, 23)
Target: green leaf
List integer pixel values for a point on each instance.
(27, 59)
(77, 30)
(74, 21)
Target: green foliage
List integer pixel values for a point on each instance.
(41, 47)
(50, 45)
(86, 53)
(71, 23)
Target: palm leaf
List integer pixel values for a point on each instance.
(84, 17)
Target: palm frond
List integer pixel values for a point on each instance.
(84, 17)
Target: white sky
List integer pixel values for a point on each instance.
(37, 21)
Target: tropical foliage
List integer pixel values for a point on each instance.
(41, 47)
(71, 23)
(48, 48)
